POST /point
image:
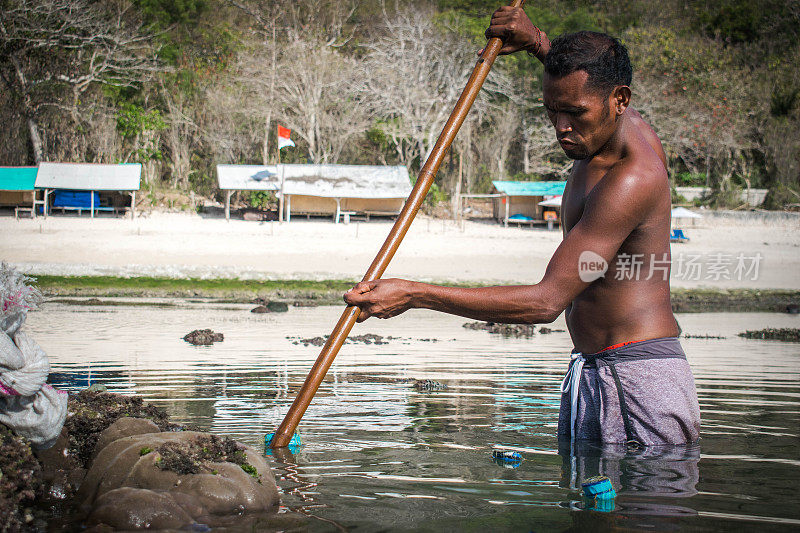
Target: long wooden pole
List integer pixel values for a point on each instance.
(424, 181)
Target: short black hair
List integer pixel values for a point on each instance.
(603, 57)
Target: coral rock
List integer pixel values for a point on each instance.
(154, 461)
(203, 337)
(124, 427)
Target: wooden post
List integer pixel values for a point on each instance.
(288, 208)
(91, 203)
(507, 201)
(133, 205)
(228, 204)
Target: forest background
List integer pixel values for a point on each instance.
(183, 85)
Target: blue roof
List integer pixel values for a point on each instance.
(17, 178)
(530, 188)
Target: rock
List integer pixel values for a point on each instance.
(427, 385)
(202, 474)
(124, 427)
(129, 508)
(96, 387)
(278, 307)
(203, 337)
(506, 330)
(367, 338)
(312, 341)
(545, 330)
(270, 307)
(779, 334)
(62, 472)
(21, 480)
(305, 303)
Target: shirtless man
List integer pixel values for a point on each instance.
(628, 380)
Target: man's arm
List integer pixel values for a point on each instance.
(613, 210)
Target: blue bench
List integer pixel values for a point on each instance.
(677, 235)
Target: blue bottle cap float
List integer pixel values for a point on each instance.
(293, 445)
(600, 493)
(598, 487)
(507, 458)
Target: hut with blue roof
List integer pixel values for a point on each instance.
(520, 201)
(17, 189)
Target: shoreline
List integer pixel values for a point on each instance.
(192, 246)
(63, 289)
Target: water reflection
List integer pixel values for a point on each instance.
(380, 455)
(671, 471)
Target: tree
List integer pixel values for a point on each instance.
(321, 92)
(58, 49)
(416, 74)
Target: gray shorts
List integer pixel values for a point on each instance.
(642, 392)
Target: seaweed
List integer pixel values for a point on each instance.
(92, 412)
(190, 457)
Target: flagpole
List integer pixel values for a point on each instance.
(280, 198)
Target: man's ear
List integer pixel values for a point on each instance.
(621, 98)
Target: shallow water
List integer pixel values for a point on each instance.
(381, 456)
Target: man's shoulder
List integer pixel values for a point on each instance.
(634, 184)
(640, 170)
(648, 134)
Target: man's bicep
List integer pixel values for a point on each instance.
(590, 246)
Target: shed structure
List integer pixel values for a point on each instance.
(519, 201)
(17, 188)
(337, 190)
(89, 178)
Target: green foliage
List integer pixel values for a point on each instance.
(677, 198)
(435, 196)
(133, 120)
(260, 199)
(140, 126)
(733, 20)
(162, 13)
(690, 179)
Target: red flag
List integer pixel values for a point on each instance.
(283, 137)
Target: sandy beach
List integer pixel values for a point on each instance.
(720, 254)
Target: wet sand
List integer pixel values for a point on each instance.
(184, 245)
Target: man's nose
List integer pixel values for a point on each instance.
(562, 124)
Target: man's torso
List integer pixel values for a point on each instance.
(631, 302)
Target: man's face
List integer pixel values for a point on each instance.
(583, 118)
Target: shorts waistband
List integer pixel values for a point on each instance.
(662, 347)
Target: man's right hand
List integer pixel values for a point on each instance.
(513, 26)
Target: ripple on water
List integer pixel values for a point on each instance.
(381, 455)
